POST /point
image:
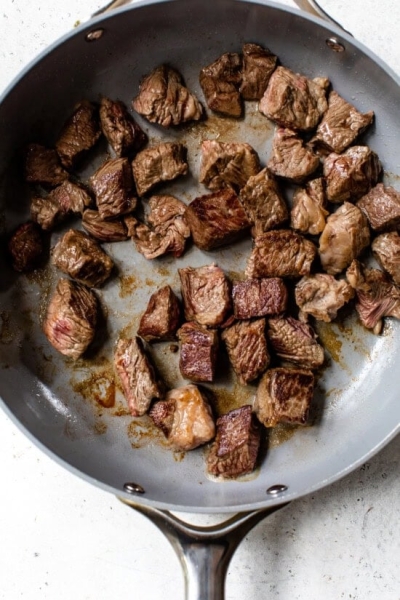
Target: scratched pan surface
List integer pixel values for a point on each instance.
(71, 409)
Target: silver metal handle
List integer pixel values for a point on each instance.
(110, 6)
(313, 8)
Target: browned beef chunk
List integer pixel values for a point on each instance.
(42, 165)
(259, 297)
(284, 396)
(216, 219)
(352, 174)
(205, 294)
(308, 214)
(26, 247)
(112, 184)
(168, 219)
(47, 213)
(386, 249)
(220, 83)
(263, 202)
(185, 417)
(345, 236)
(62, 201)
(340, 125)
(154, 165)
(290, 158)
(199, 348)
(293, 101)
(295, 342)
(377, 295)
(280, 253)
(147, 242)
(140, 383)
(227, 164)
(71, 197)
(161, 318)
(102, 230)
(80, 257)
(258, 65)
(235, 449)
(164, 99)
(382, 207)
(123, 133)
(322, 295)
(247, 349)
(71, 318)
(79, 134)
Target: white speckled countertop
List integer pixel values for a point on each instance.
(63, 539)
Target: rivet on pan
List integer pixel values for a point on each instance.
(94, 35)
(133, 488)
(274, 490)
(334, 44)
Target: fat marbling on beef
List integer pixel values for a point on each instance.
(26, 247)
(198, 356)
(308, 213)
(258, 65)
(295, 341)
(227, 164)
(160, 320)
(43, 166)
(102, 230)
(291, 158)
(220, 83)
(321, 296)
(259, 297)
(123, 134)
(80, 133)
(246, 345)
(352, 174)
(163, 162)
(381, 205)
(386, 249)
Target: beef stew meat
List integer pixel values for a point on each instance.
(71, 318)
(112, 184)
(71, 197)
(79, 134)
(164, 99)
(123, 134)
(198, 352)
(295, 342)
(157, 164)
(168, 219)
(284, 396)
(308, 213)
(235, 449)
(216, 219)
(293, 101)
(258, 65)
(263, 202)
(381, 205)
(81, 257)
(47, 212)
(26, 247)
(146, 240)
(259, 297)
(352, 174)
(227, 164)
(206, 295)
(281, 253)
(220, 82)
(340, 126)
(386, 250)
(344, 237)
(321, 296)
(102, 230)
(246, 345)
(290, 158)
(43, 166)
(185, 418)
(140, 383)
(160, 320)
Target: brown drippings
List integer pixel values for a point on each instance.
(150, 282)
(6, 330)
(227, 400)
(100, 427)
(178, 456)
(127, 285)
(142, 431)
(330, 340)
(164, 271)
(280, 434)
(98, 387)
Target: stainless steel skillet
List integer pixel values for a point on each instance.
(60, 422)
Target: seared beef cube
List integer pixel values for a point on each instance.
(112, 184)
(293, 101)
(284, 396)
(71, 197)
(340, 125)
(139, 381)
(345, 236)
(80, 257)
(168, 219)
(216, 219)
(26, 247)
(198, 355)
(247, 349)
(227, 164)
(386, 249)
(71, 318)
(164, 99)
(382, 207)
(352, 174)
(263, 202)
(259, 297)
(280, 253)
(185, 417)
(322, 295)
(205, 294)
(160, 320)
(79, 134)
(258, 65)
(235, 449)
(123, 133)
(295, 341)
(147, 242)
(102, 230)
(163, 162)
(220, 83)
(42, 165)
(47, 213)
(290, 158)
(308, 214)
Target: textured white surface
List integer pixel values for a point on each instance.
(63, 539)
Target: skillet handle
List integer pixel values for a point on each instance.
(204, 552)
(313, 8)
